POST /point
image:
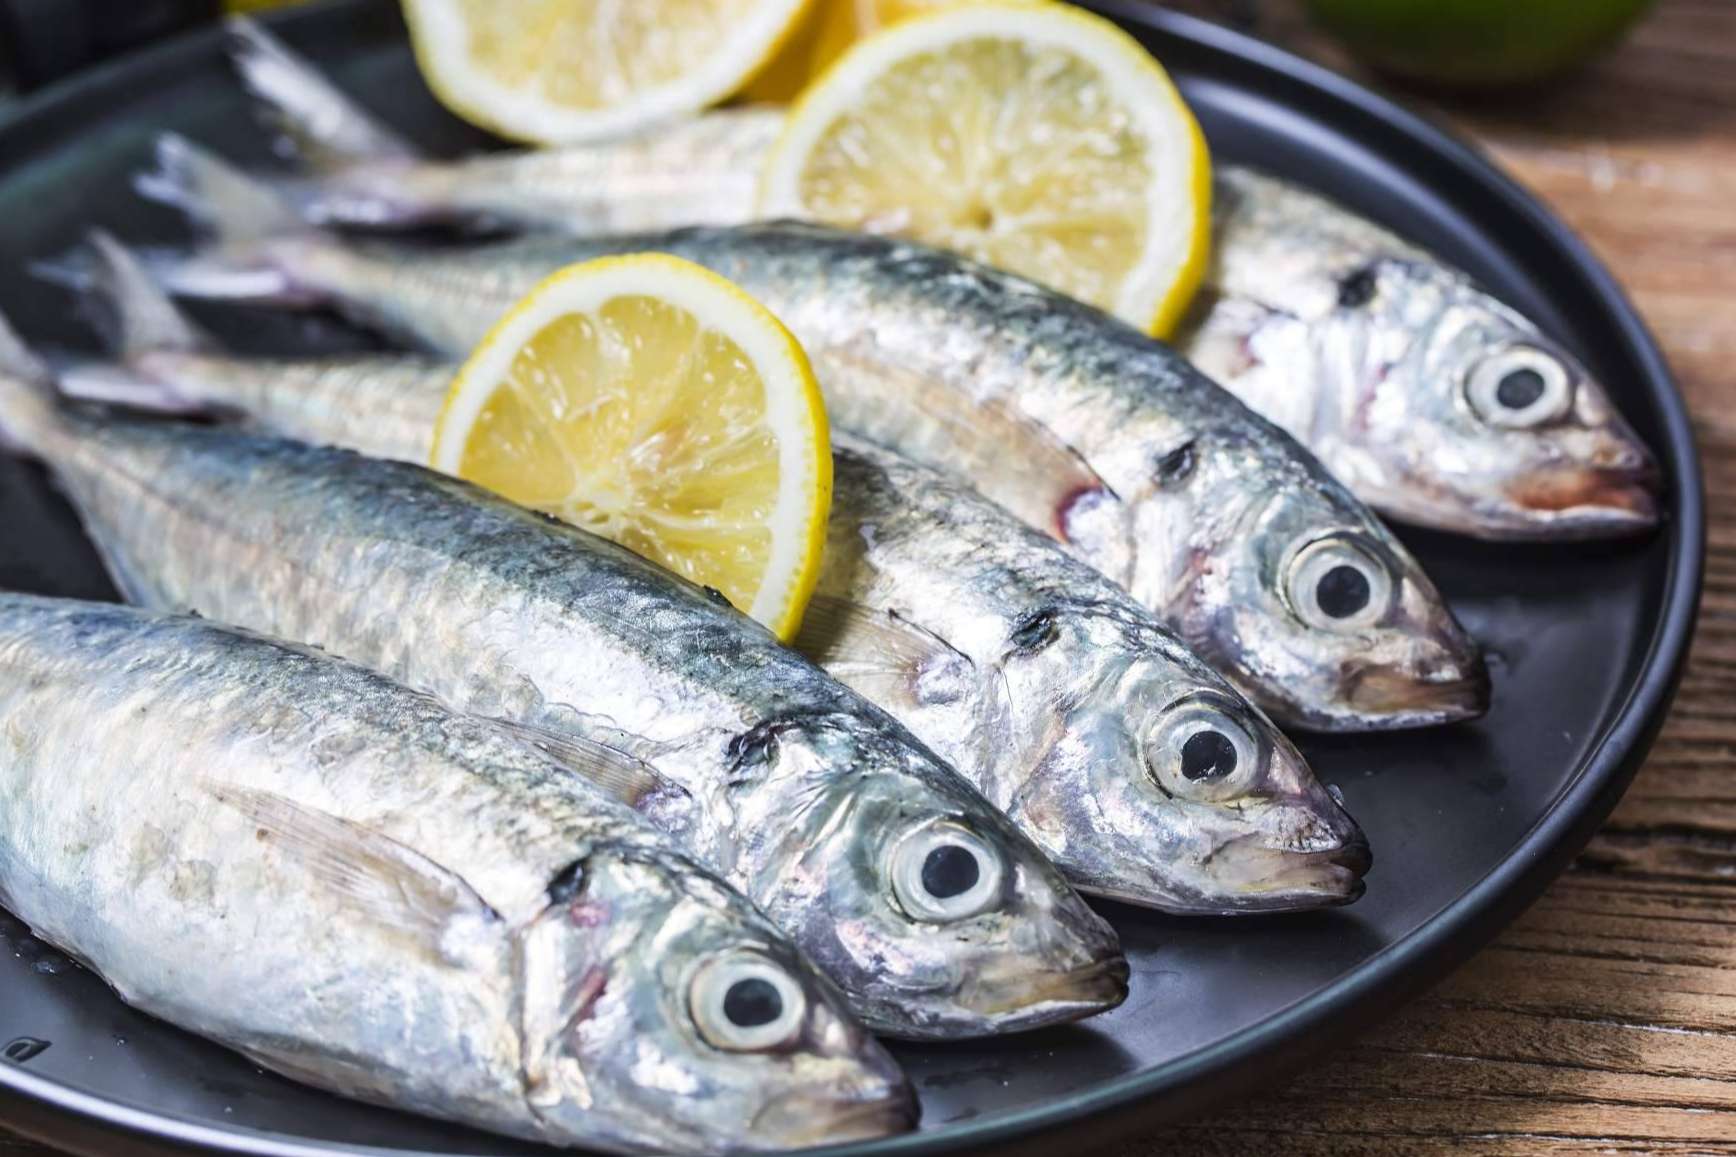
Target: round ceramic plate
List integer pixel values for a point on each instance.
(1467, 823)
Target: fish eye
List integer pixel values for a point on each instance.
(943, 872)
(1519, 388)
(1338, 585)
(743, 1003)
(1200, 750)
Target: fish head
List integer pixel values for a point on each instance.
(920, 898)
(1461, 415)
(1286, 584)
(1152, 781)
(660, 1005)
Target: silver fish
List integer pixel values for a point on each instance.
(362, 890)
(1434, 401)
(1137, 769)
(817, 805)
(1428, 397)
(1082, 426)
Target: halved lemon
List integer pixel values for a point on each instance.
(561, 71)
(652, 402)
(1032, 136)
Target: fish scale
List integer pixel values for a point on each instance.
(1042, 682)
(351, 885)
(1362, 346)
(501, 612)
(1053, 409)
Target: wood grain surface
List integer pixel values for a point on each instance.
(1605, 1019)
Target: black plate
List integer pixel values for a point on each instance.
(1468, 824)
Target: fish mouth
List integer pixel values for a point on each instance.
(1021, 1003)
(1587, 502)
(799, 1119)
(1281, 880)
(1390, 698)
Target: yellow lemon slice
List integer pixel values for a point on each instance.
(829, 27)
(1032, 136)
(654, 403)
(560, 71)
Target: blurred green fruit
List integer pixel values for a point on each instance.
(1476, 43)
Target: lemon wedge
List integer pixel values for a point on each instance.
(1029, 135)
(654, 403)
(562, 71)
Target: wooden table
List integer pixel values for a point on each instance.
(1605, 1019)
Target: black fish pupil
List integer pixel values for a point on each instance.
(1519, 389)
(1342, 592)
(752, 1002)
(949, 871)
(1207, 755)
(1357, 290)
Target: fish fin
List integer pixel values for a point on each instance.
(979, 437)
(241, 215)
(327, 129)
(134, 315)
(16, 358)
(133, 389)
(855, 642)
(618, 774)
(27, 395)
(390, 883)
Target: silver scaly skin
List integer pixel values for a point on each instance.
(1042, 682)
(817, 805)
(1083, 427)
(1426, 396)
(362, 890)
(1384, 362)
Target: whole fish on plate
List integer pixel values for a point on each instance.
(1432, 400)
(1140, 772)
(1083, 427)
(362, 890)
(899, 880)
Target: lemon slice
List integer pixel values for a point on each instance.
(652, 402)
(560, 71)
(829, 27)
(1028, 135)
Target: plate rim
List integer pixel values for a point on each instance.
(1323, 1017)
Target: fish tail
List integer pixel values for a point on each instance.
(28, 403)
(247, 220)
(136, 318)
(327, 129)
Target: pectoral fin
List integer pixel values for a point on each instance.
(861, 645)
(381, 879)
(619, 774)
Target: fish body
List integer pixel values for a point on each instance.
(1083, 427)
(813, 802)
(1423, 393)
(358, 888)
(1061, 698)
(1385, 362)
